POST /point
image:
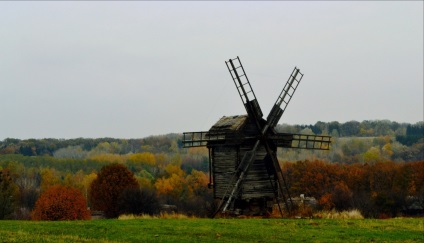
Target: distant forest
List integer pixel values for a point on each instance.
(367, 141)
(352, 142)
(374, 166)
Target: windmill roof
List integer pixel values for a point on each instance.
(229, 123)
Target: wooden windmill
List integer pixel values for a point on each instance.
(243, 167)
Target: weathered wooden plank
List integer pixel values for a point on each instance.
(226, 159)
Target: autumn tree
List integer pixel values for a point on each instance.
(29, 191)
(172, 185)
(7, 194)
(143, 158)
(72, 152)
(139, 201)
(106, 189)
(86, 185)
(61, 203)
(142, 161)
(342, 196)
(373, 155)
(200, 200)
(49, 178)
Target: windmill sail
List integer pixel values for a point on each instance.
(301, 141)
(284, 97)
(244, 88)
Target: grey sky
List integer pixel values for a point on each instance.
(134, 69)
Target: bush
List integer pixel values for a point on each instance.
(106, 189)
(61, 203)
(333, 214)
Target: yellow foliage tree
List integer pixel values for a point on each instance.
(143, 158)
(112, 158)
(86, 182)
(198, 151)
(173, 186)
(49, 177)
(174, 169)
(372, 155)
(197, 182)
(161, 160)
(387, 151)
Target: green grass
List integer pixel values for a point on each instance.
(210, 230)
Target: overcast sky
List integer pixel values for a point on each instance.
(135, 69)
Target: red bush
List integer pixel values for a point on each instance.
(61, 203)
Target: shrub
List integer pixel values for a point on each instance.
(333, 214)
(106, 189)
(61, 203)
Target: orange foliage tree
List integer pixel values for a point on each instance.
(61, 203)
(106, 189)
(173, 184)
(199, 201)
(378, 189)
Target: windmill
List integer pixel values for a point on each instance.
(244, 172)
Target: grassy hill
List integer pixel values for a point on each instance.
(211, 230)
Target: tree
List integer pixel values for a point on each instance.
(61, 203)
(334, 128)
(143, 158)
(174, 186)
(372, 155)
(106, 189)
(29, 192)
(199, 201)
(342, 196)
(7, 194)
(72, 152)
(139, 201)
(414, 133)
(86, 184)
(320, 128)
(49, 178)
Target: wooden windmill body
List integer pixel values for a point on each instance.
(244, 171)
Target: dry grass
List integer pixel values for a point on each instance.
(160, 216)
(333, 214)
(297, 212)
(132, 216)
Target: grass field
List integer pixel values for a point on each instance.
(208, 230)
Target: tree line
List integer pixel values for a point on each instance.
(377, 190)
(375, 171)
(367, 128)
(352, 142)
(170, 179)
